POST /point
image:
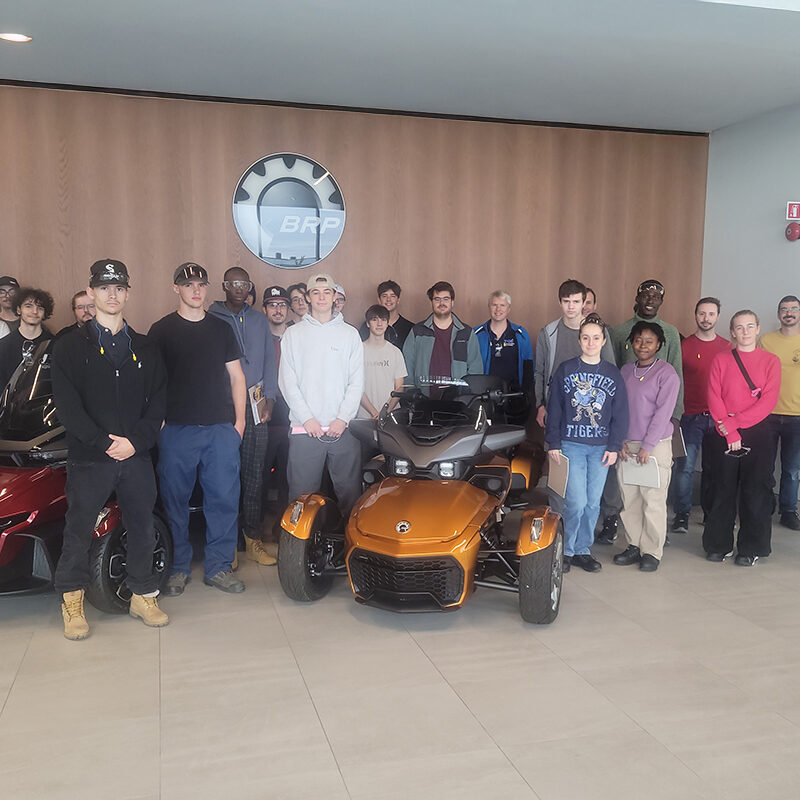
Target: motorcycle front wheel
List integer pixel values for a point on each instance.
(540, 576)
(301, 564)
(108, 585)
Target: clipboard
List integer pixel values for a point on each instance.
(558, 475)
(645, 475)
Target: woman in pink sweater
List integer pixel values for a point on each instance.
(743, 389)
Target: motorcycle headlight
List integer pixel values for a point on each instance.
(401, 466)
(447, 469)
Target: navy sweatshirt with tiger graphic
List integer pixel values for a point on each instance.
(588, 404)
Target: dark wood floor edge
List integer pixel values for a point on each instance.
(353, 109)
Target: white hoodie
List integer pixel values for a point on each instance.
(321, 373)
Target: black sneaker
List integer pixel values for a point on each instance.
(790, 520)
(608, 535)
(648, 563)
(566, 564)
(745, 561)
(718, 557)
(681, 523)
(586, 562)
(628, 556)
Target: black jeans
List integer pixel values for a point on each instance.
(278, 458)
(89, 485)
(748, 480)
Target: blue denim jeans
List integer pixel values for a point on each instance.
(587, 477)
(786, 429)
(210, 453)
(695, 428)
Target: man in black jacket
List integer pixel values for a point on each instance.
(109, 386)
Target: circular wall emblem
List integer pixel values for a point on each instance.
(288, 210)
(404, 526)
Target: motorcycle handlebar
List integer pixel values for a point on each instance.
(497, 394)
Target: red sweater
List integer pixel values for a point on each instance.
(729, 398)
(697, 357)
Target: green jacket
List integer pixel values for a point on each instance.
(670, 351)
(465, 352)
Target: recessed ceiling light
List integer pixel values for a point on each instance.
(16, 37)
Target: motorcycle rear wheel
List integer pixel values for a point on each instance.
(540, 577)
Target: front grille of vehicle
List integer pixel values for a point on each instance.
(411, 581)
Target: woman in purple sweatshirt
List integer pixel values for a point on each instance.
(653, 387)
(587, 417)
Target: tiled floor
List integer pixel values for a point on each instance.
(680, 684)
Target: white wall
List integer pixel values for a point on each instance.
(753, 171)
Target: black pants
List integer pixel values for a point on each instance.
(89, 485)
(277, 458)
(611, 501)
(748, 480)
(253, 454)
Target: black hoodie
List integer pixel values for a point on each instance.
(93, 397)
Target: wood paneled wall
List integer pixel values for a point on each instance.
(485, 205)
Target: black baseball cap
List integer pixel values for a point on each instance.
(108, 271)
(7, 280)
(275, 293)
(189, 272)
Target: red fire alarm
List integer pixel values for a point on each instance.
(793, 231)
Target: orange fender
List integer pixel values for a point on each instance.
(298, 519)
(537, 530)
(521, 465)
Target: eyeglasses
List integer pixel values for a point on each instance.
(651, 287)
(238, 285)
(84, 307)
(277, 304)
(7, 292)
(787, 309)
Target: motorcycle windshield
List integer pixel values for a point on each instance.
(27, 412)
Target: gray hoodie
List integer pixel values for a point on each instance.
(254, 337)
(322, 370)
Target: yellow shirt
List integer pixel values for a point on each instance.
(787, 348)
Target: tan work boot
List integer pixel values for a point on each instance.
(146, 609)
(75, 624)
(257, 553)
(235, 562)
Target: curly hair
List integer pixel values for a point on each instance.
(646, 325)
(39, 296)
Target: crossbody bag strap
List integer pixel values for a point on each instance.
(756, 392)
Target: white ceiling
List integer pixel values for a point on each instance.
(665, 64)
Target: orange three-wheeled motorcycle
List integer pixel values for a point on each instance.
(428, 528)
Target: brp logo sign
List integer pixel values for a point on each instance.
(288, 210)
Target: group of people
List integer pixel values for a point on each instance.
(234, 394)
(633, 405)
